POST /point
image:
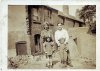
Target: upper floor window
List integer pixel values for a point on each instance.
(35, 14)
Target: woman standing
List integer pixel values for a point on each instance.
(46, 32)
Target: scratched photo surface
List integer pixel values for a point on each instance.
(51, 37)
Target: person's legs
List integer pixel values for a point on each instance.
(61, 55)
(65, 58)
(50, 61)
(69, 59)
(47, 60)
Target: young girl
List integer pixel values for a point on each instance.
(48, 49)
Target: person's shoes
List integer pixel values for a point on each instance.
(65, 65)
(61, 61)
(70, 65)
(46, 65)
(51, 66)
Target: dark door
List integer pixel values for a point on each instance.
(37, 43)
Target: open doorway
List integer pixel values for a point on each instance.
(37, 43)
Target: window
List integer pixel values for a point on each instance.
(35, 14)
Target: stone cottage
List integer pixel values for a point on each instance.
(26, 22)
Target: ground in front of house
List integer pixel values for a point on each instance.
(39, 62)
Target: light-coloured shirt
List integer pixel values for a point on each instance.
(61, 34)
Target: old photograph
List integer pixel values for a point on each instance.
(51, 37)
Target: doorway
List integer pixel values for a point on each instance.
(37, 43)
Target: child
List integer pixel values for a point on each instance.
(48, 49)
(63, 51)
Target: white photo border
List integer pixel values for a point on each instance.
(4, 27)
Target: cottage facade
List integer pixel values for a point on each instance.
(26, 23)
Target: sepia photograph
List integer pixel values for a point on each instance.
(51, 37)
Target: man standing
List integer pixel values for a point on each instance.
(61, 39)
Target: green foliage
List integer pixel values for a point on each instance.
(88, 14)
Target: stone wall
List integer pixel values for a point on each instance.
(15, 36)
(17, 29)
(83, 42)
(87, 44)
(16, 18)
